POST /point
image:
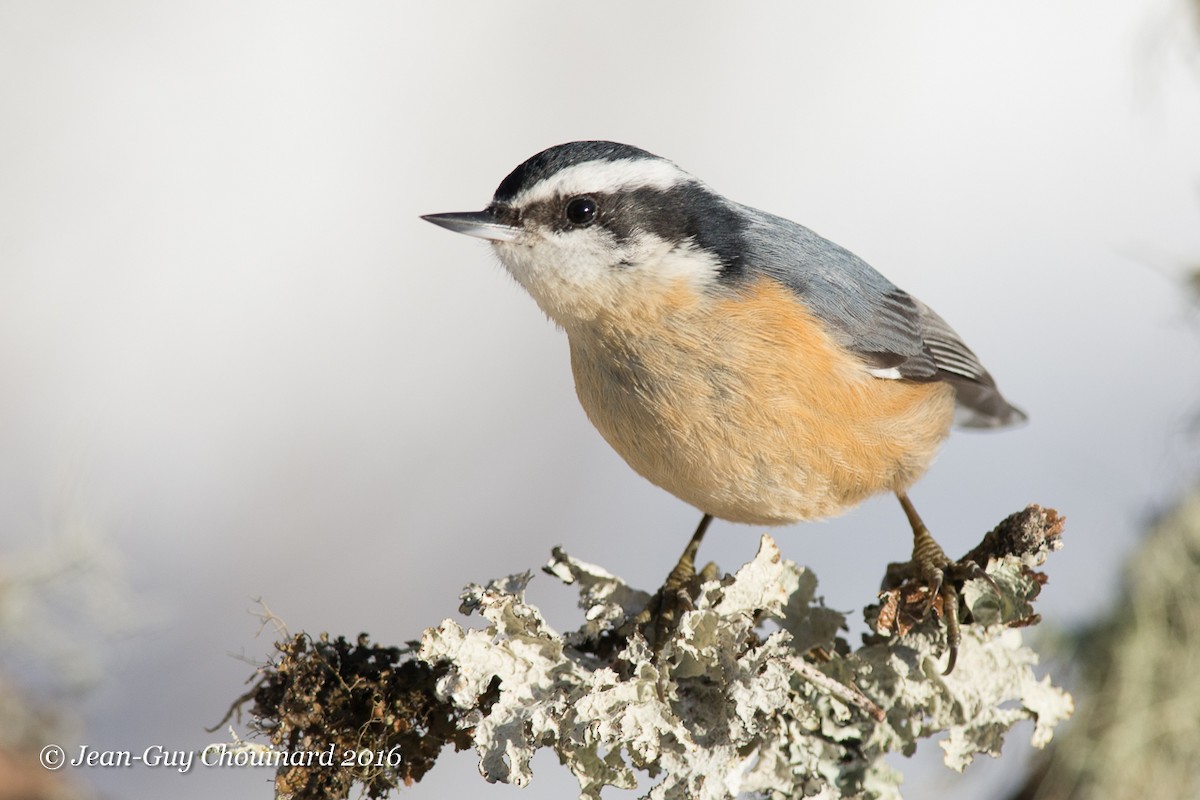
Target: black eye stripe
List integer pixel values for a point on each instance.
(685, 213)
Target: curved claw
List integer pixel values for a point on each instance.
(934, 579)
(972, 571)
(953, 632)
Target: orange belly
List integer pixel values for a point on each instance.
(743, 406)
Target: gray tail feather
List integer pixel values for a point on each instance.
(980, 404)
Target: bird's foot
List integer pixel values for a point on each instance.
(660, 619)
(661, 616)
(930, 581)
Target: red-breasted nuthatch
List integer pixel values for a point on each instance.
(736, 359)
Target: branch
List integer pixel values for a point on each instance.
(755, 692)
(1137, 731)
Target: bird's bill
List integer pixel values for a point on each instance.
(481, 224)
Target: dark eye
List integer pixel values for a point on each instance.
(581, 211)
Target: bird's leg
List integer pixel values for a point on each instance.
(928, 557)
(661, 614)
(929, 561)
(939, 575)
(685, 569)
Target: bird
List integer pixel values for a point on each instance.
(734, 358)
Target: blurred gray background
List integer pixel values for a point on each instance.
(235, 364)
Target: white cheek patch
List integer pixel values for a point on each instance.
(645, 263)
(562, 277)
(575, 278)
(603, 177)
(655, 260)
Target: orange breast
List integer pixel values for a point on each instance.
(744, 407)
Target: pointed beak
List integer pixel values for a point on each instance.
(482, 224)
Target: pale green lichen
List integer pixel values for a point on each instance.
(733, 704)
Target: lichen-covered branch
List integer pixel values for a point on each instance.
(1137, 733)
(755, 692)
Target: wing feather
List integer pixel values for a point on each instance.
(896, 335)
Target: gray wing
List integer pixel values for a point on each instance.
(980, 404)
(896, 335)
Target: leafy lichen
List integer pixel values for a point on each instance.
(754, 691)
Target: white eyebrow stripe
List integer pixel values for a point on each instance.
(601, 177)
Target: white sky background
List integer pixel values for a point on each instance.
(223, 325)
